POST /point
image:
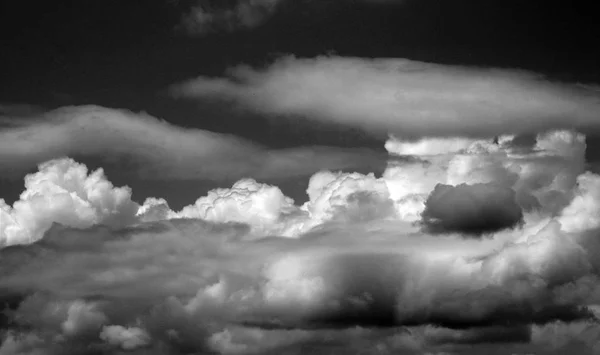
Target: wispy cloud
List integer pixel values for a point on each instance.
(204, 19)
(156, 149)
(403, 97)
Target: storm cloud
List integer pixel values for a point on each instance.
(471, 209)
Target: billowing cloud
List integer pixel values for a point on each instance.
(157, 149)
(263, 206)
(407, 98)
(246, 270)
(471, 209)
(63, 192)
(126, 338)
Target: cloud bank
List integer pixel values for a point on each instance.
(407, 98)
(355, 269)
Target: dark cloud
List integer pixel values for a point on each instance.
(471, 209)
(187, 285)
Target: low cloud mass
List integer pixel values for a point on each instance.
(485, 245)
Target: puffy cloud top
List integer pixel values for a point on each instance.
(262, 206)
(63, 192)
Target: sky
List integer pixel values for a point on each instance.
(299, 176)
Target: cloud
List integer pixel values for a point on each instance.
(205, 18)
(156, 149)
(82, 317)
(497, 334)
(183, 285)
(347, 197)
(471, 209)
(63, 192)
(245, 14)
(584, 210)
(126, 338)
(544, 179)
(407, 98)
(246, 270)
(263, 206)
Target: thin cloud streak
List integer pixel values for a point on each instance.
(403, 97)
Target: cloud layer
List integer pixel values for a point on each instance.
(408, 98)
(355, 269)
(156, 149)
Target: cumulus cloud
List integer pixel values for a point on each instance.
(471, 209)
(63, 192)
(583, 213)
(126, 338)
(407, 98)
(157, 149)
(544, 179)
(183, 285)
(262, 206)
(246, 270)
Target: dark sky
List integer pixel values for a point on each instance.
(125, 53)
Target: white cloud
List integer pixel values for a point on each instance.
(428, 146)
(583, 212)
(403, 97)
(63, 192)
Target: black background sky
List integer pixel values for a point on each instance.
(124, 53)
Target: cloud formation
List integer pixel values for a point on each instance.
(245, 270)
(125, 338)
(407, 98)
(156, 149)
(63, 192)
(203, 19)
